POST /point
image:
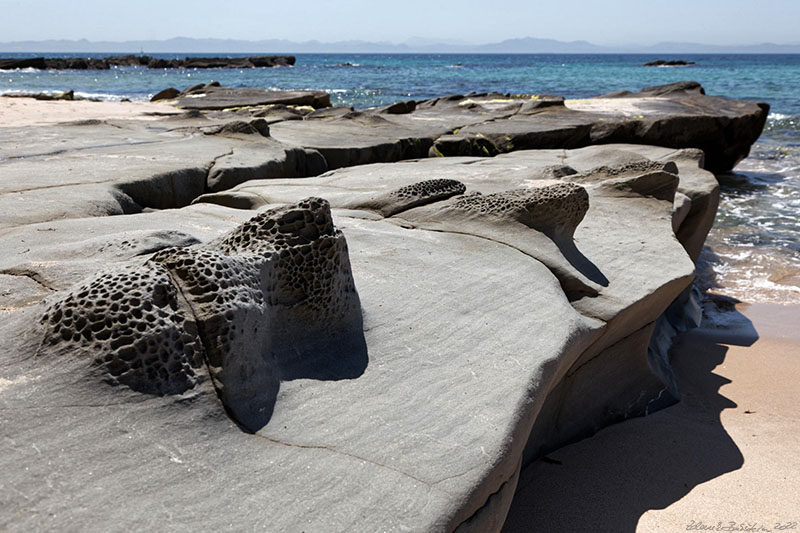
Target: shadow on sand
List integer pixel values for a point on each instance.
(606, 482)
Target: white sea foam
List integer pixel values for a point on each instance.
(16, 70)
(105, 97)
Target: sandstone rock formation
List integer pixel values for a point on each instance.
(215, 97)
(259, 305)
(233, 320)
(676, 115)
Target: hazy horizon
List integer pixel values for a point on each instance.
(184, 45)
(623, 23)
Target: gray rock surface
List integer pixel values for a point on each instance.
(103, 168)
(210, 322)
(677, 115)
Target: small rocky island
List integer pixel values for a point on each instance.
(669, 63)
(283, 315)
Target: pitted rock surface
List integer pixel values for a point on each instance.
(472, 360)
(429, 189)
(410, 196)
(553, 208)
(539, 222)
(634, 168)
(248, 305)
(133, 324)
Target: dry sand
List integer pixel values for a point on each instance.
(728, 452)
(28, 111)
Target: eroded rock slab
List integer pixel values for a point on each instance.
(99, 168)
(211, 97)
(480, 312)
(678, 116)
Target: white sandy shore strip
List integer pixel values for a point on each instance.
(28, 111)
(727, 453)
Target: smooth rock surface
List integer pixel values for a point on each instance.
(63, 171)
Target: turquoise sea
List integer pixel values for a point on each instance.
(754, 249)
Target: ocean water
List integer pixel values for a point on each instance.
(753, 251)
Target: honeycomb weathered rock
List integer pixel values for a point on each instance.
(410, 196)
(631, 169)
(247, 305)
(539, 222)
(555, 208)
(133, 324)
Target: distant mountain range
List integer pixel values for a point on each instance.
(527, 45)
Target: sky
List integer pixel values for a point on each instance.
(608, 22)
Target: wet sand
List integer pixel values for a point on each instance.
(28, 111)
(728, 452)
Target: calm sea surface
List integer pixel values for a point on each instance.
(754, 248)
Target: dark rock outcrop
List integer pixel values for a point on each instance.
(166, 94)
(67, 95)
(59, 63)
(33, 62)
(668, 63)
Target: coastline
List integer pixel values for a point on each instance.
(725, 453)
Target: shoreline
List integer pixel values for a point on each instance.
(725, 453)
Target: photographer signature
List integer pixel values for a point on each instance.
(750, 527)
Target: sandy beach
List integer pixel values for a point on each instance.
(29, 111)
(726, 453)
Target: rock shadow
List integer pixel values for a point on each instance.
(333, 358)
(607, 482)
(580, 262)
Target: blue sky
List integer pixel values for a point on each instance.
(607, 22)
